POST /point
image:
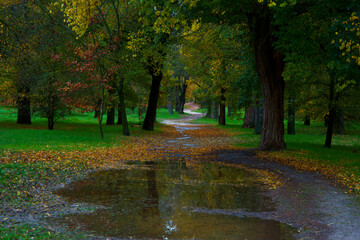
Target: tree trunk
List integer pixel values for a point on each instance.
(24, 107)
(249, 118)
(177, 99)
(150, 116)
(101, 114)
(170, 109)
(51, 122)
(208, 111)
(332, 112)
(307, 120)
(259, 116)
(330, 128)
(182, 98)
(326, 120)
(270, 66)
(222, 108)
(110, 117)
(122, 107)
(214, 111)
(291, 116)
(119, 121)
(97, 109)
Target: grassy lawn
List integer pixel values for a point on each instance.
(306, 150)
(34, 160)
(77, 131)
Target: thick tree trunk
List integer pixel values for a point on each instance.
(291, 116)
(270, 65)
(24, 107)
(249, 118)
(150, 116)
(307, 120)
(110, 117)
(222, 108)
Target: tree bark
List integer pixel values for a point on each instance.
(119, 121)
(177, 99)
(97, 108)
(150, 116)
(182, 97)
(270, 66)
(101, 114)
(110, 117)
(24, 106)
(170, 109)
(122, 107)
(291, 116)
(222, 108)
(249, 118)
(51, 122)
(214, 111)
(307, 120)
(326, 120)
(332, 112)
(208, 111)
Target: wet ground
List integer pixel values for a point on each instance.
(221, 199)
(174, 200)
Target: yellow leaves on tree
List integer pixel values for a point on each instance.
(79, 13)
(349, 38)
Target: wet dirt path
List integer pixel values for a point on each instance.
(307, 201)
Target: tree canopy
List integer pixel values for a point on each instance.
(63, 55)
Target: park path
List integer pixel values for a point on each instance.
(314, 205)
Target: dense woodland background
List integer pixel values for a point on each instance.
(264, 61)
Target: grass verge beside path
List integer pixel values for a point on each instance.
(306, 151)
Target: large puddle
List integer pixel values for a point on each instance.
(173, 200)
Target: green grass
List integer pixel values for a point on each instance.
(77, 131)
(27, 232)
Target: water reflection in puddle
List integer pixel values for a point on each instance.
(157, 201)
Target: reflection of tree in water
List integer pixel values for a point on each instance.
(151, 206)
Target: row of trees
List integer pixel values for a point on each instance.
(61, 55)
